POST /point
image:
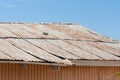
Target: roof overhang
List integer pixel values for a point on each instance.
(75, 63)
(95, 63)
(35, 63)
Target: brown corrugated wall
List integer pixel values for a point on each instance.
(42, 72)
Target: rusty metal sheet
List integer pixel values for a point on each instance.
(90, 34)
(14, 52)
(56, 31)
(74, 33)
(78, 32)
(38, 33)
(5, 33)
(74, 50)
(17, 30)
(4, 56)
(60, 41)
(57, 34)
(35, 51)
(94, 50)
(107, 47)
(53, 49)
(114, 45)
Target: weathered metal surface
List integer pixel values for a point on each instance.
(5, 33)
(15, 53)
(107, 47)
(94, 50)
(36, 51)
(4, 56)
(54, 43)
(35, 31)
(73, 49)
(98, 63)
(17, 30)
(80, 33)
(55, 33)
(114, 45)
(74, 33)
(53, 49)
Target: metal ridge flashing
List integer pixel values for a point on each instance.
(42, 23)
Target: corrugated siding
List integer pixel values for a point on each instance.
(42, 72)
(86, 73)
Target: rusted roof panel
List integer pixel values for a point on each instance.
(107, 47)
(17, 30)
(55, 33)
(5, 33)
(114, 45)
(35, 31)
(95, 50)
(73, 49)
(54, 43)
(36, 51)
(79, 33)
(4, 56)
(14, 52)
(56, 50)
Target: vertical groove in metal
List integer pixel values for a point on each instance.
(117, 70)
(68, 73)
(42, 72)
(107, 73)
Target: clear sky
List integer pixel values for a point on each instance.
(102, 16)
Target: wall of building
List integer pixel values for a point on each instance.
(42, 72)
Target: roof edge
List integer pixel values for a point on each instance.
(109, 63)
(36, 63)
(42, 23)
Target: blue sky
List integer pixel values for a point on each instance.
(102, 16)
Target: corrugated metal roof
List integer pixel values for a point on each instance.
(54, 43)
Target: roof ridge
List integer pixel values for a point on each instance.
(42, 23)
